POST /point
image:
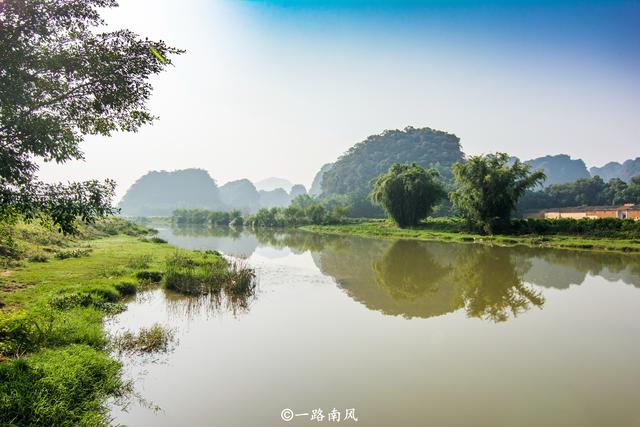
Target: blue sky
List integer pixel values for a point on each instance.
(289, 85)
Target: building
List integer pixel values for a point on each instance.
(628, 210)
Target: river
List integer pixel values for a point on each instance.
(394, 333)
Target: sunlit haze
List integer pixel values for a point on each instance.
(278, 88)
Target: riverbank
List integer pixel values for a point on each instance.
(55, 292)
(387, 230)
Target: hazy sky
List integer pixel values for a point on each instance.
(278, 88)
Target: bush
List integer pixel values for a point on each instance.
(38, 258)
(126, 288)
(149, 276)
(102, 300)
(73, 253)
(61, 387)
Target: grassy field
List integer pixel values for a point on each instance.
(55, 291)
(387, 230)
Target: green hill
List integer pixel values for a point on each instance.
(366, 160)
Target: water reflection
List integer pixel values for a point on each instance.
(489, 286)
(205, 306)
(427, 279)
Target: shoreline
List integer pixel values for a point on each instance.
(53, 303)
(384, 230)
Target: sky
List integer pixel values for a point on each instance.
(280, 87)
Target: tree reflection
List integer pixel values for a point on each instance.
(408, 271)
(489, 287)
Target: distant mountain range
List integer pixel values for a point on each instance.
(624, 171)
(159, 193)
(273, 183)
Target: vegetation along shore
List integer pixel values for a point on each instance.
(586, 234)
(58, 365)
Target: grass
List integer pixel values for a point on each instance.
(55, 292)
(198, 273)
(435, 230)
(54, 363)
(65, 386)
(148, 340)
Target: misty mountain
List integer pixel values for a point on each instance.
(297, 190)
(316, 186)
(240, 194)
(158, 193)
(560, 168)
(277, 198)
(273, 183)
(624, 171)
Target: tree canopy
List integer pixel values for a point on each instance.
(408, 193)
(488, 188)
(583, 192)
(60, 80)
(366, 160)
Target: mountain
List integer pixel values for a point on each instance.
(270, 184)
(316, 186)
(158, 193)
(240, 194)
(560, 168)
(624, 171)
(277, 198)
(354, 170)
(297, 190)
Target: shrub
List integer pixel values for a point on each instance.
(126, 288)
(38, 258)
(73, 253)
(149, 276)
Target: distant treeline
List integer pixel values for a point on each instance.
(303, 210)
(583, 192)
(206, 217)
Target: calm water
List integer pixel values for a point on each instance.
(405, 333)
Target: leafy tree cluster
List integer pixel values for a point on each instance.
(303, 210)
(583, 192)
(61, 79)
(408, 193)
(489, 187)
(206, 217)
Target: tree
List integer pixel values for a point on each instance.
(61, 79)
(407, 193)
(488, 189)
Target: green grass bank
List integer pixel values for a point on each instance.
(56, 364)
(447, 230)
